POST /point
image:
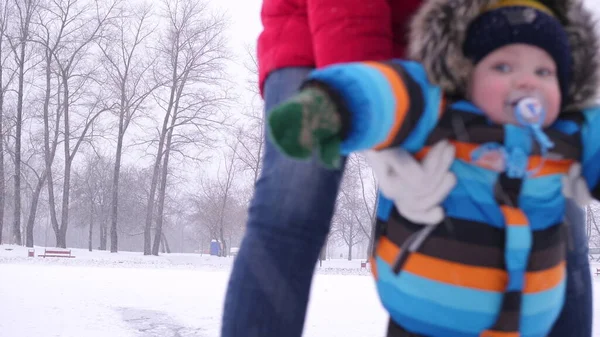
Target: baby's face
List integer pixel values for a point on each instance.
(510, 73)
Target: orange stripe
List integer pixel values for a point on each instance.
(549, 167)
(493, 333)
(387, 250)
(421, 154)
(481, 278)
(401, 96)
(539, 281)
(463, 150)
(514, 216)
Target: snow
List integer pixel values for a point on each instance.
(129, 295)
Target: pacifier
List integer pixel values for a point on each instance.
(530, 113)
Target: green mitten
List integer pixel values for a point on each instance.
(307, 122)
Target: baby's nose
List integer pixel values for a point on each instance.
(526, 81)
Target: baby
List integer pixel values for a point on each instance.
(512, 91)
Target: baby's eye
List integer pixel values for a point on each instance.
(502, 67)
(544, 72)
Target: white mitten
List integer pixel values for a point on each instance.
(417, 189)
(574, 186)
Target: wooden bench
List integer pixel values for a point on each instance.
(363, 264)
(597, 271)
(56, 253)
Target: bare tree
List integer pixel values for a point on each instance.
(25, 10)
(218, 208)
(251, 133)
(355, 211)
(40, 181)
(192, 52)
(127, 69)
(76, 81)
(91, 191)
(54, 21)
(4, 53)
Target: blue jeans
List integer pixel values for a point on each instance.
(575, 319)
(288, 222)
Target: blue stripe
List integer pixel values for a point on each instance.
(432, 99)
(482, 193)
(384, 207)
(543, 302)
(413, 309)
(472, 210)
(515, 280)
(517, 137)
(565, 126)
(426, 326)
(518, 245)
(453, 297)
(518, 238)
(369, 98)
(516, 259)
(542, 201)
(539, 324)
(473, 196)
(545, 188)
(590, 137)
(464, 170)
(445, 318)
(543, 215)
(467, 106)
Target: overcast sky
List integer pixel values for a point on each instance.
(246, 25)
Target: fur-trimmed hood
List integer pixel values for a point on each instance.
(438, 30)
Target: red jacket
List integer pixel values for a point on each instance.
(316, 33)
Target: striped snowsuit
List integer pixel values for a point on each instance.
(495, 267)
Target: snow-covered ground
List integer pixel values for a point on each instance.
(127, 294)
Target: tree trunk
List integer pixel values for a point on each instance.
(165, 244)
(90, 245)
(163, 183)
(33, 210)
(351, 241)
(114, 237)
(224, 253)
(61, 237)
(156, 170)
(50, 152)
(2, 181)
(374, 231)
(589, 214)
(103, 236)
(18, 128)
(150, 206)
(162, 191)
(323, 254)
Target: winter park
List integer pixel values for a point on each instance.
(138, 197)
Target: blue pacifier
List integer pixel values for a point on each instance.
(531, 114)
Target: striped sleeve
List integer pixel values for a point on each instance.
(590, 138)
(390, 103)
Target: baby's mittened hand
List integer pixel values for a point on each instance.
(308, 122)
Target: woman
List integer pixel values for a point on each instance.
(292, 207)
